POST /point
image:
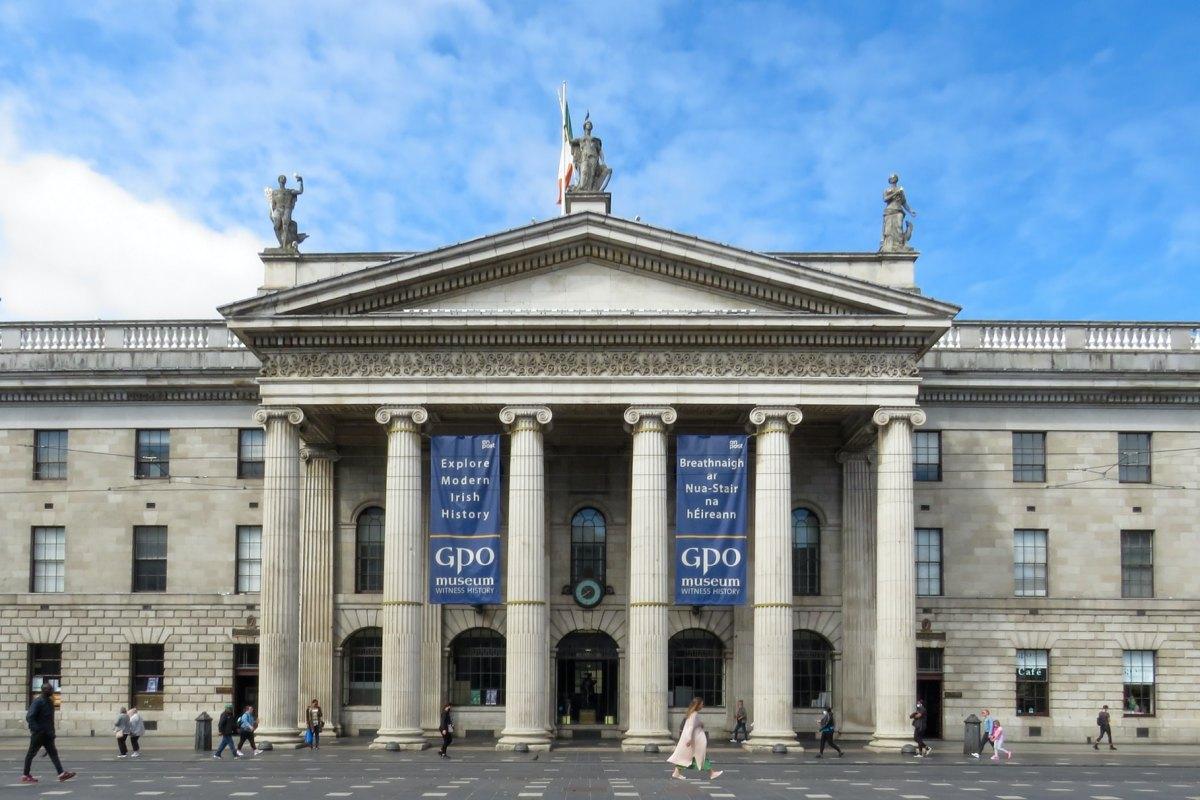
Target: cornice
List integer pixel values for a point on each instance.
(102, 395)
(1017, 396)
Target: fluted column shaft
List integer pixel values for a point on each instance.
(649, 586)
(527, 709)
(316, 583)
(857, 691)
(895, 589)
(403, 573)
(432, 692)
(773, 578)
(278, 644)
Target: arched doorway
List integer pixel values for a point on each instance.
(587, 693)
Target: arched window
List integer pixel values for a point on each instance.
(362, 667)
(806, 553)
(812, 669)
(368, 551)
(588, 546)
(696, 668)
(477, 668)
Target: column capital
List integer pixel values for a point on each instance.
(319, 452)
(514, 416)
(849, 456)
(886, 416)
(292, 414)
(402, 418)
(638, 416)
(769, 418)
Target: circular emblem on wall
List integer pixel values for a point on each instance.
(588, 593)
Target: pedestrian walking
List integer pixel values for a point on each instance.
(247, 725)
(315, 721)
(998, 742)
(121, 731)
(827, 727)
(920, 718)
(226, 727)
(446, 729)
(137, 729)
(985, 737)
(40, 719)
(1102, 720)
(692, 750)
(739, 723)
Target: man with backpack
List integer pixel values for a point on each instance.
(40, 718)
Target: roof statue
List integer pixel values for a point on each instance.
(282, 202)
(896, 229)
(591, 173)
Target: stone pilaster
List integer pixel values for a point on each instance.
(895, 588)
(278, 649)
(403, 591)
(433, 694)
(316, 583)
(649, 586)
(856, 694)
(772, 712)
(527, 708)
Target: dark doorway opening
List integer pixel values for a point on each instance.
(587, 679)
(245, 676)
(929, 688)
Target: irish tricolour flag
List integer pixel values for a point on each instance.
(566, 166)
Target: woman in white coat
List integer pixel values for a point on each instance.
(692, 750)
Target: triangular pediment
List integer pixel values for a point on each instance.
(589, 262)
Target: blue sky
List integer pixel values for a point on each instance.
(1050, 149)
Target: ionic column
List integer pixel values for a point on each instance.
(527, 708)
(403, 572)
(773, 578)
(649, 587)
(278, 641)
(316, 583)
(895, 588)
(857, 691)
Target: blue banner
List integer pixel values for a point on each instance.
(710, 520)
(464, 519)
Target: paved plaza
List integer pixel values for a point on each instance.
(352, 771)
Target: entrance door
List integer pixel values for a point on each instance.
(929, 688)
(587, 679)
(245, 676)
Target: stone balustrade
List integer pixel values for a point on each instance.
(90, 336)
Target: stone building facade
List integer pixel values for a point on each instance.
(985, 514)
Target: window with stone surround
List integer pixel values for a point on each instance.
(812, 670)
(45, 666)
(1033, 683)
(368, 551)
(1029, 457)
(1030, 564)
(927, 455)
(152, 457)
(249, 558)
(1139, 682)
(49, 455)
(147, 679)
(1137, 563)
(362, 668)
(251, 452)
(477, 668)
(1133, 457)
(929, 562)
(696, 668)
(150, 558)
(589, 548)
(47, 569)
(806, 553)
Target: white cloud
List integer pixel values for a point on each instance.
(76, 245)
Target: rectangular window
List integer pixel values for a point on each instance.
(929, 562)
(1033, 683)
(1029, 563)
(1133, 457)
(146, 679)
(153, 455)
(927, 455)
(49, 455)
(249, 558)
(47, 572)
(1139, 682)
(1029, 457)
(251, 444)
(150, 558)
(1137, 563)
(45, 666)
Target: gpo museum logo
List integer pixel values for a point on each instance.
(705, 558)
(461, 558)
